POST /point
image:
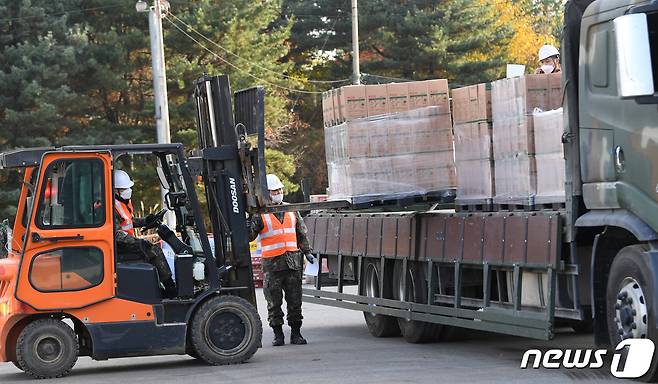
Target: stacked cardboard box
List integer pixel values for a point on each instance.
(357, 101)
(513, 103)
(402, 154)
(473, 143)
(549, 155)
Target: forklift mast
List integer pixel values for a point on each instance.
(233, 172)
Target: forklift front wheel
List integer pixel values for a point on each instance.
(47, 348)
(226, 330)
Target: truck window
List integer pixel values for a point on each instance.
(652, 21)
(72, 195)
(67, 269)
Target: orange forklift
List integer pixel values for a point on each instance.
(63, 294)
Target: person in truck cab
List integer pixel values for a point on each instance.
(283, 244)
(549, 60)
(130, 247)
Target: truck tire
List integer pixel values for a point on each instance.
(17, 365)
(225, 330)
(627, 295)
(46, 349)
(378, 325)
(416, 291)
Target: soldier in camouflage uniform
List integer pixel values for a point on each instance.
(283, 246)
(129, 247)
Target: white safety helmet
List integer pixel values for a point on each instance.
(273, 182)
(547, 51)
(122, 180)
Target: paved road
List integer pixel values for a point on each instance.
(341, 350)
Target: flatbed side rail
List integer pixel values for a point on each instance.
(474, 264)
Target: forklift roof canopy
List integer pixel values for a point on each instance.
(27, 157)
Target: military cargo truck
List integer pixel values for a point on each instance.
(591, 263)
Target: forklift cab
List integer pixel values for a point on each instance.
(69, 242)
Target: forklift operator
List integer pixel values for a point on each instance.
(129, 247)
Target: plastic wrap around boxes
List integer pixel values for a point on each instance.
(405, 153)
(473, 144)
(514, 151)
(549, 155)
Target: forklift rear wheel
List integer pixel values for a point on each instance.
(629, 294)
(415, 291)
(47, 348)
(226, 330)
(378, 325)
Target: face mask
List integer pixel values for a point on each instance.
(126, 194)
(277, 199)
(547, 68)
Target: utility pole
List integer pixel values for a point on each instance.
(159, 73)
(356, 72)
(159, 80)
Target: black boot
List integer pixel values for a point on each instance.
(170, 288)
(278, 336)
(296, 335)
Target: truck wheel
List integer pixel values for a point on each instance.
(226, 330)
(46, 348)
(627, 296)
(416, 292)
(378, 325)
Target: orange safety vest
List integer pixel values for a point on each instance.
(125, 212)
(277, 238)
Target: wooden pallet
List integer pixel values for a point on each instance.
(528, 205)
(473, 205)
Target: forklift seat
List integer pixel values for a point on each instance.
(138, 281)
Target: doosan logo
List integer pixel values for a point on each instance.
(639, 353)
(234, 195)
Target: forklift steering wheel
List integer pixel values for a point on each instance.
(158, 219)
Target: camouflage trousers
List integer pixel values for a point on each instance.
(275, 285)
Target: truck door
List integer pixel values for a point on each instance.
(67, 261)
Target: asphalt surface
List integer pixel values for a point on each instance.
(341, 350)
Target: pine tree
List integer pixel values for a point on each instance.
(77, 73)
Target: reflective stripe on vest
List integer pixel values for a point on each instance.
(278, 238)
(125, 212)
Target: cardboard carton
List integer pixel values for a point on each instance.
(353, 102)
(438, 94)
(472, 103)
(418, 94)
(474, 141)
(555, 90)
(327, 109)
(398, 96)
(338, 110)
(550, 177)
(377, 99)
(475, 179)
(548, 130)
(516, 179)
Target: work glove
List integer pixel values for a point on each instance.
(310, 258)
(152, 220)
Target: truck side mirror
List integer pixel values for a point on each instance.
(634, 67)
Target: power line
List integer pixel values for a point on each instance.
(385, 77)
(238, 68)
(254, 64)
(60, 13)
